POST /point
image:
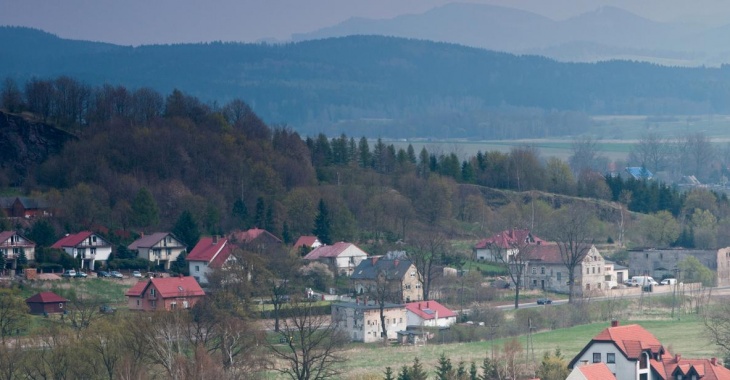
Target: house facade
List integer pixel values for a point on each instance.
(13, 246)
(161, 248)
(255, 240)
(632, 353)
(86, 246)
(504, 243)
(545, 270)
(361, 320)
(164, 293)
(210, 253)
(342, 257)
(400, 274)
(429, 314)
(24, 207)
(661, 263)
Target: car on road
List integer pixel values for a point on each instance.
(116, 274)
(106, 309)
(81, 274)
(137, 274)
(544, 301)
(103, 273)
(69, 273)
(669, 281)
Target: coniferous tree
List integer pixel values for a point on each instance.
(3, 262)
(322, 224)
(416, 372)
(286, 234)
(240, 212)
(404, 373)
(389, 374)
(444, 370)
(22, 259)
(473, 373)
(186, 229)
(461, 371)
(144, 209)
(42, 233)
(260, 216)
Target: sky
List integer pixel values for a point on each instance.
(139, 22)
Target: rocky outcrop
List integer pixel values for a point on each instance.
(25, 143)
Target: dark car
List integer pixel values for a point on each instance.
(544, 301)
(106, 309)
(103, 273)
(81, 274)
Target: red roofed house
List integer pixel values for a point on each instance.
(256, 240)
(46, 303)
(164, 293)
(87, 245)
(343, 257)
(632, 353)
(429, 314)
(210, 253)
(546, 270)
(596, 371)
(162, 248)
(12, 245)
(310, 242)
(505, 242)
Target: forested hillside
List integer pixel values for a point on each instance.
(141, 159)
(380, 86)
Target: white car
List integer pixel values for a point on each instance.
(137, 274)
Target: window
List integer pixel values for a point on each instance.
(92, 251)
(413, 274)
(610, 358)
(594, 270)
(542, 270)
(534, 270)
(588, 286)
(588, 270)
(596, 357)
(152, 292)
(400, 320)
(679, 376)
(197, 268)
(137, 302)
(560, 275)
(173, 305)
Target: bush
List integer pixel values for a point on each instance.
(128, 264)
(49, 267)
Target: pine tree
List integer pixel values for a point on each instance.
(489, 370)
(388, 374)
(286, 233)
(186, 229)
(322, 227)
(22, 259)
(240, 212)
(473, 373)
(260, 216)
(445, 370)
(404, 373)
(461, 371)
(416, 372)
(144, 209)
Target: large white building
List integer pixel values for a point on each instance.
(342, 257)
(86, 246)
(361, 320)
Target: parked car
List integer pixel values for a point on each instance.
(544, 301)
(81, 274)
(116, 274)
(103, 273)
(137, 274)
(106, 309)
(669, 281)
(69, 273)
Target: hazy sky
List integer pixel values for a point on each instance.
(135, 22)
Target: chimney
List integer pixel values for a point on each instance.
(215, 239)
(374, 259)
(614, 323)
(713, 361)
(677, 358)
(426, 304)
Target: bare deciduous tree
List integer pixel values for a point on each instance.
(425, 253)
(573, 234)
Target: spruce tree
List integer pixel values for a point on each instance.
(144, 209)
(444, 370)
(240, 212)
(260, 216)
(473, 373)
(404, 373)
(186, 229)
(416, 372)
(322, 227)
(388, 374)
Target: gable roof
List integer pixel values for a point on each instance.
(370, 268)
(706, 369)
(168, 287)
(429, 310)
(632, 340)
(150, 240)
(509, 239)
(45, 297)
(72, 240)
(547, 253)
(27, 202)
(330, 251)
(639, 172)
(209, 248)
(6, 235)
(248, 236)
(307, 241)
(596, 371)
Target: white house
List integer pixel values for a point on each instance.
(210, 253)
(162, 248)
(86, 245)
(12, 245)
(505, 243)
(632, 353)
(343, 257)
(429, 314)
(361, 320)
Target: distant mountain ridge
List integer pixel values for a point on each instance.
(381, 86)
(625, 34)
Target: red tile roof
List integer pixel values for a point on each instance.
(707, 369)
(630, 339)
(546, 252)
(250, 235)
(168, 287)
(328, 251)
(596, 371)
(207, 249)
(72, 240)
(46, 297)
(429, 310)
(306, 241)
(509, 239)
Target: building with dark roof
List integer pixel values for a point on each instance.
(24, 207)
(161, 248)
(401, 276)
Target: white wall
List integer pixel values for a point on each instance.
(623, 368)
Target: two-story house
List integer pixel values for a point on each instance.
(400, 276)
(429, 314)
(85, 246)
(502, 245)
(342, 257)
(210, 253)
(546, 270)
(164, 293)
(361, 320)
(632, 353)
(13, 246)
(161, 248)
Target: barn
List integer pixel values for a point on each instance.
(46, 303)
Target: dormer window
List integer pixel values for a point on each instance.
(679, 376)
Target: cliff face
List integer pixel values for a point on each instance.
(25, 144)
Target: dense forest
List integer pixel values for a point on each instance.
(138, 160)
(380, 86)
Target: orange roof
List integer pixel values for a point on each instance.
(429, 310)
(630, 339)
(546, 252)
(207, 249)
(707, 369)
(169, 287)
(596, 371)
(250, 235)
(509, 239)
(137, 289)
(307, 241)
